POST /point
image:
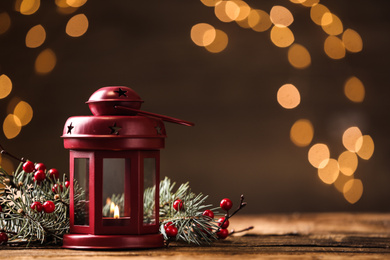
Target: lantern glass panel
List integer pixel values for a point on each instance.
(81, 191)
(149, 191)
(114, 170)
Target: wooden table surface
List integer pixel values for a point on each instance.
(281, 236)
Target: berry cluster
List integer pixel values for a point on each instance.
(223, 222)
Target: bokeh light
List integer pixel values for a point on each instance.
(11, 126)
(5, 22)
(77, 25)
(365, 147)
(352, 41)
(64, 8)
(302, 132)
(7, 164)
(353, 190)
(203, 34)
(341, 181)
(245, 9)
(350, 137)
(354, 90)
(348, 163)
(310, 3)
(36, 36)
(45, 62)
(282, 36)
(259, 20)
(210, 3)
(288, 96)
(329, 172)
(220, 42)
(280, 16)
(76, 3)
(221, 13)
(334, 48)
(5, 86)
(298, 56)
(28, 7)
(318, 155)
(24, 112)
(317, 12)
(331, 24)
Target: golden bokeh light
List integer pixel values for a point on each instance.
(64, 8)
(334, 48)
(244, 10)
(298, 56)
(259, 20)
(318, 155)
(328, 173)
(5, 22)
(232, 10)
(317, 12)
(282, 36)
(310, 3)
(220, 11)
(36, 36)
(28, 7)
(340, 182)
(353, 190)
(348, 163)
(280, 16)
(210, 3)
(5, 86)
(220, 42)
(203, 34)
(45, 62)
(11, 126)
(288, 96)
(24, 112)
(332, 24)
(354, 90)
(365, 147)
(76, 3)
(77, 25)
(350, 137)
(302, 132)
(352, 41)
(12, 104)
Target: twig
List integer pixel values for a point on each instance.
(3, 151)
(240, 231)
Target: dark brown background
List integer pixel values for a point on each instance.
(240, 143)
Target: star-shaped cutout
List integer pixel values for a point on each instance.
(158, 129)
(115, 129)
(70, 127)
(121, 92)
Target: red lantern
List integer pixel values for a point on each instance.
(114, 160)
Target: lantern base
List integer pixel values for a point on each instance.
(107, 242)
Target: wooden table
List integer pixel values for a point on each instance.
(287, 236)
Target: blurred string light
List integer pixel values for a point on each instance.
(338, 42)
(19, 112)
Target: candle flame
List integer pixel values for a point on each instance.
(112, 207)
(116, 212)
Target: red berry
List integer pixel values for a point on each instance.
(178, 205)
(48, 206)
(40, 166)
(3, 238)
(225, 225)
(37, 206)
(171, 231)
(57, 188)
(168, 224)
(208, 213)
(223, 233)
(54, 174)
(39, 176)
(28, 166)
(226, 204)
(67, 184)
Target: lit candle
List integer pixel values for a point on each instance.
(112, 208)
(116, 212)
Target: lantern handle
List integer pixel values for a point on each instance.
(165, 118)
